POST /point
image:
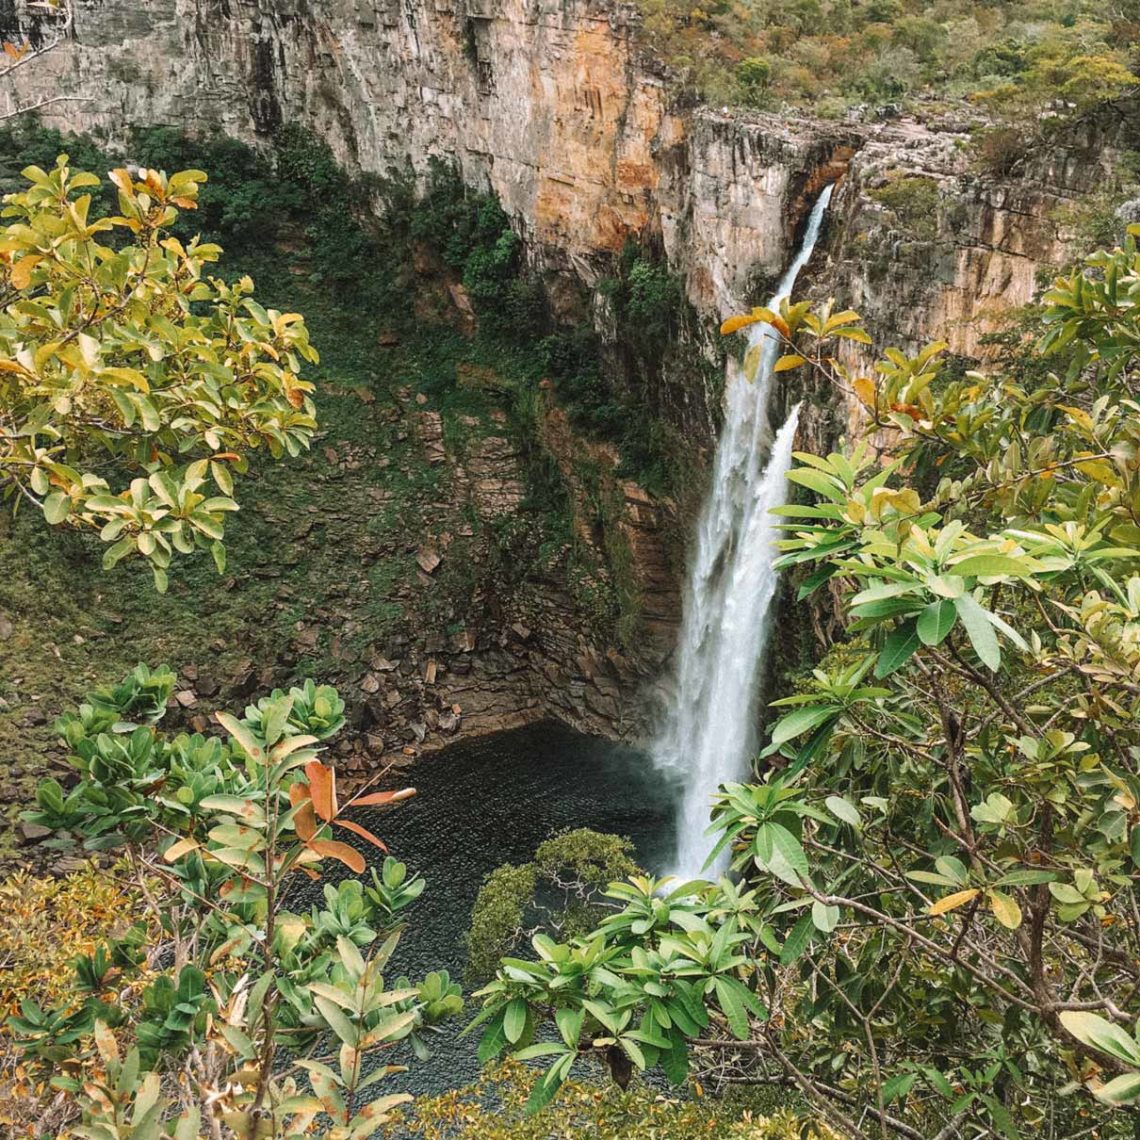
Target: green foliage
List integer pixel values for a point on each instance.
(127, 365)
(938, 870)
(247, 981)
(914, 201)
(558, 892)
(827, 56)
(245, 203)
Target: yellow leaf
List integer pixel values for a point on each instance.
(182, 847)
(865, 389)
(735, 324)
(952, 902)
(787, 363)
(1005, 909)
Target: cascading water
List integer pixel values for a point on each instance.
(709, 735)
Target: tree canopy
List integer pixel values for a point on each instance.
(134, 384)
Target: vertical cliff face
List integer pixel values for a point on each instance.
(546, 103)
(541, 100)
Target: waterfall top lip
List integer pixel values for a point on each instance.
(805, 250)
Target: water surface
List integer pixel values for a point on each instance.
(490, 801)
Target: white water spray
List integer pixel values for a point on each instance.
(710, 732)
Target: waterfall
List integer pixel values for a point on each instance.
(709, 734)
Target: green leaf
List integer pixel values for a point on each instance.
(991, 566)
(798, 722)
(936, 621)
(844, 811)
(514, 1019)
(817, 481)
(1120, 1091)
(542, 1049)
(675, 1062)
(733, 1007)
(336, 1020)
(56, 507)
(1025, 878)
(899, 647)
(825, 918)
(798, 940)
(569, 1023)
(779, 852)
(113, 554)
(979, 630)
(1098, 1033)
(492, 1043)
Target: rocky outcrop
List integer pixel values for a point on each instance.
(542, 101)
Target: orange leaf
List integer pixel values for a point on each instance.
(322, 789)
(22, 271)
(378, 798)
(305, 823)
(364, 833)
(334, 849)
(226, 455)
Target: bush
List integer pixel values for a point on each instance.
(914, 201)
(214, 830)
(557, 891)
(938, 866)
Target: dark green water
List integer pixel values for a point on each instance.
(491, 801)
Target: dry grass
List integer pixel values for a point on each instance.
(44, 923)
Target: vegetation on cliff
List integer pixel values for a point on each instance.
(411, 393)
(1014, 58)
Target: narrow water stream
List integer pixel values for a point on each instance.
(490, 801)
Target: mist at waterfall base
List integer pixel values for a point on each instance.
(709, 733)
(479, 804)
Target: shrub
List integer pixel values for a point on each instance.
(557, 891)
(214, 830)
(934, 917)
(914, 201)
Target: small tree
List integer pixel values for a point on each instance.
(133, 385)
(240, 995)
(936, 929)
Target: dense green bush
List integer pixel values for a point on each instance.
(914, 202)
(558, 891)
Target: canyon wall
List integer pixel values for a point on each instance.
(547, 103)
